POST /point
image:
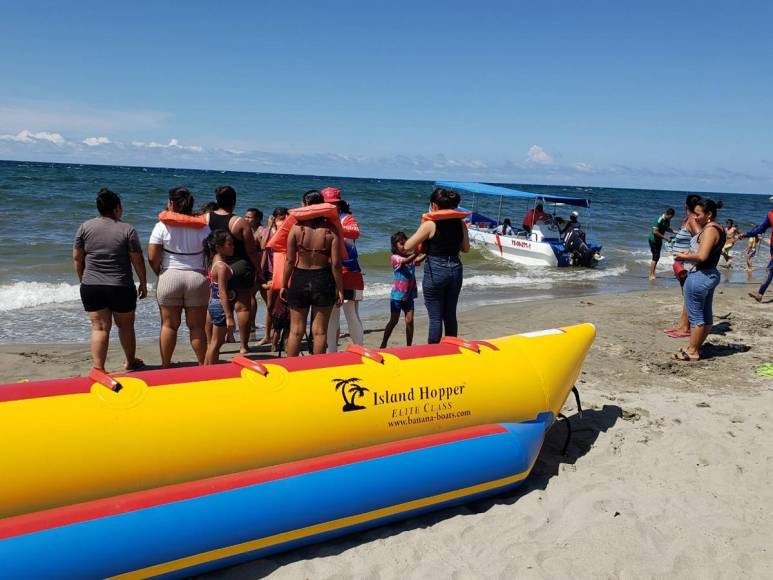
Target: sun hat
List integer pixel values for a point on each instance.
(574, 214)
(331, 194)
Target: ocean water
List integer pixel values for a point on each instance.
(41, 206)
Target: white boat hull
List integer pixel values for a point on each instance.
(516, 249)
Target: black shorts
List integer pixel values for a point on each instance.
(656, 247)
(119, 299)
(244, 275)
(311, 288)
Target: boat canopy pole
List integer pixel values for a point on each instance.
(499, 211)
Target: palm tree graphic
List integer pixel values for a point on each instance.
(354, 389)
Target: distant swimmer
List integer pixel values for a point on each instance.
(732, 235)
(656, 237)
(751, 250)
(759, 230)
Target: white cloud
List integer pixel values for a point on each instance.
(25, 136)
(173, 144)
(537, 154)
(95, 141)
(580, 166)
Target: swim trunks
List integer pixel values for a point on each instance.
(655, 248)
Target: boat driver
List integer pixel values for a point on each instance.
(567, 226)
(535, 215)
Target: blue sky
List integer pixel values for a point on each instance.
(631, 94)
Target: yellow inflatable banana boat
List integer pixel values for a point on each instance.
(259, 457)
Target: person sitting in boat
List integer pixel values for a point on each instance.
(534, 216)
(505, 228)
(564, 227)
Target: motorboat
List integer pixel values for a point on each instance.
(553, 241)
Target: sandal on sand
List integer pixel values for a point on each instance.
(677, 334)
(684, 356)
(756, 295)
(135, 366)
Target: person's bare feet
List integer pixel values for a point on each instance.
(651, 277)
(756, 295)
(678, 333)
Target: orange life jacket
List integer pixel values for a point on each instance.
(278, 241)
(441, 214)
(445, 214)
(172, 218)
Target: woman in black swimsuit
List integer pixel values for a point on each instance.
(312, 277)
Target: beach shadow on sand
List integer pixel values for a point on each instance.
(585, 431)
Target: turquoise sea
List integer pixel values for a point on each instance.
(42, 204)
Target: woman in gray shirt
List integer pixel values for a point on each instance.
(104, 252)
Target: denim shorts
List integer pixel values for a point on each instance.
(216, 312)
(699, 296)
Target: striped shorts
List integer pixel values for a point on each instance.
(182, 288)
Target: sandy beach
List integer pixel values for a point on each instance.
(668, 473)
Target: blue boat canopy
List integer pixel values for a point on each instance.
(486, 189)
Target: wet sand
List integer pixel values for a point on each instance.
(668, 473)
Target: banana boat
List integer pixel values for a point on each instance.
(174, 472)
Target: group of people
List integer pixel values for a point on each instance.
(697, 247)
(212, 265)
(662, 226)
(538, 215)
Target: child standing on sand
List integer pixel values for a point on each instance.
(401, 298)
(219, 245)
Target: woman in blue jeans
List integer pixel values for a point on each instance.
(705, 251)
(443, 235)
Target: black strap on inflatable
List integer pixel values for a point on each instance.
(577, 398)
(568, 432)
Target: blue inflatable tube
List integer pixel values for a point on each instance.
(194, 527)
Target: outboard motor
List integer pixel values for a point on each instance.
(582, 254)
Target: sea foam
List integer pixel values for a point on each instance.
(18, 295)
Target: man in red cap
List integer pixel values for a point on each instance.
(354, 283)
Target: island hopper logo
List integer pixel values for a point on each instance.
(354, 390)
(435, 398)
